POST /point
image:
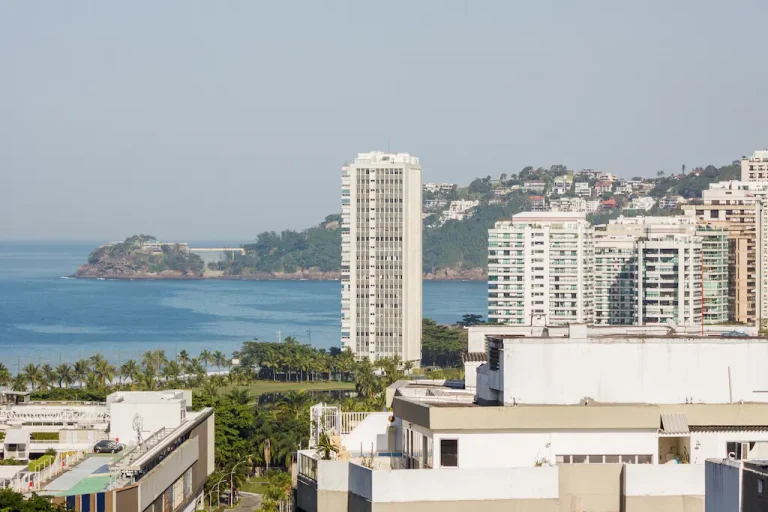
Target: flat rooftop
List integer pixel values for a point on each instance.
(91, 475)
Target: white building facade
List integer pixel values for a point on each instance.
(381, 256)
(540, 269)
(755, 167)
(648, 270)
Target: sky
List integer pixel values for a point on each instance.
(218, 120)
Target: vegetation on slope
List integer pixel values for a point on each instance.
(317, 248)
(131, 257)
(694, 183)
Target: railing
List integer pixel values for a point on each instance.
(143, 448)
(350, 420)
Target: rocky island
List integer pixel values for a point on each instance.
(142, 257)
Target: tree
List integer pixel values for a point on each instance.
(183, 358)
(470, 319)
(104, 372)
(130, 370)
(219, 359)
(64, 375)
(32, 375)
(47, 376)
(206, 358)
(80, 370)
(660, 173)
(11, 501)
(442, 345)
(5, 375)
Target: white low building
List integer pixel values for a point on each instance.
(557, 422)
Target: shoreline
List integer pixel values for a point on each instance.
(243, 278)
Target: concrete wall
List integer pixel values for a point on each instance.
(664, 480)
(523, 449)
(723, 486)
(168, 471)
(553, 372)
(154, 417)
(713, 445)
(590, 487)
(372, 431)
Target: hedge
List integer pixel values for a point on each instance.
(44, 436)
(38, 464)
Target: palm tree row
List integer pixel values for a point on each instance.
(288, 361)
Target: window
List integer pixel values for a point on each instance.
(449, 453)
(760, 486)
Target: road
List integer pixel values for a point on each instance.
(248, 502)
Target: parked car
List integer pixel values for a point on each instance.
(733, 334)
(107, 446)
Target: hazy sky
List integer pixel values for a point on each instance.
(217, 120)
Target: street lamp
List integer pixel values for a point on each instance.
(217, 492)
(232, 479)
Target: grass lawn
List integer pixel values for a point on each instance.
(257, 485)
(260, 387)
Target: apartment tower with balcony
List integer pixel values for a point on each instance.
(648, 270)
(381, 256)
(540, 269)
(739, 207)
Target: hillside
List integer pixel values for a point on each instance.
(454, 246)
(311, 253)
(141, 257)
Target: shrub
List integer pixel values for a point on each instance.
(38, 464)
(44, 436)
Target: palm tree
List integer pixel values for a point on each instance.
(92, 381)
(32, 374)
(20, 383)
(171, 373)
(5, 375)
(95, 359)
(271, 361)
(407, 367)
(147, 379)
(130, 370)
(47, 376)
(206, 358)
(80, 370)
(64, 375)
(209, 390)
(219, 359)
(366, 382)
(183, 358)
(104, 372)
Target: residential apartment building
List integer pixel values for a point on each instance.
(582, 188)
(670, 202)
(648, 270)
(755, 167)
(459, 210)
(601, 187)
(546, 429)
(645, 203)
(739, 208)
(381, 256)
(574, 204)
(534, 186)
(540, 269)
(538, 203)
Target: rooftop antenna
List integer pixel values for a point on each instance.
(138, 424)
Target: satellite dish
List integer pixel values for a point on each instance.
(138, 426)
(671, 323)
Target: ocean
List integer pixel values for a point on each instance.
(45, 318)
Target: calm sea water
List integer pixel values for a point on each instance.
(44, 318)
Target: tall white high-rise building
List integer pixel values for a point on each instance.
(540, 269)
(381, 256)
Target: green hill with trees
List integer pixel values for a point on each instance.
(140, 257)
